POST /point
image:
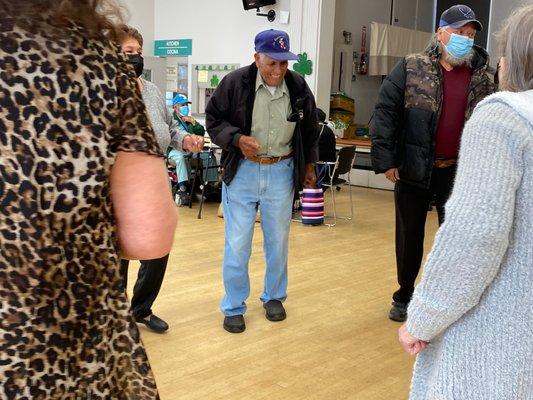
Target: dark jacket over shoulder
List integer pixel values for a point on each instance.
(327, 144)
(229, 115)
(407, 113)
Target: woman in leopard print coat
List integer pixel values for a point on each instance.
(73, 130)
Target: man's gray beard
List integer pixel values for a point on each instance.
(455, 61)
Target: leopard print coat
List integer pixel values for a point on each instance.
(68, 104)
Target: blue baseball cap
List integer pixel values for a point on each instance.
(458, 16)
(274, 44)
(180, 99)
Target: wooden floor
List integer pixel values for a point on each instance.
(336, 343)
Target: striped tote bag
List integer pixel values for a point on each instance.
(313, 206)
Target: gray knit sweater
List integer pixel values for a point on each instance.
(475, 300)
(166, 129)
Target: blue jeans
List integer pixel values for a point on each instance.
(269, 188)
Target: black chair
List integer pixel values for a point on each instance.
(199, 174)
(343, 165)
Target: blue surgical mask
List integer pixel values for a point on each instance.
(184, 110)
(459, 46)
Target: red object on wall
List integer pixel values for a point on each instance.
(363, 62)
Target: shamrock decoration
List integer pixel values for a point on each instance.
(303, 66)
(215, 81)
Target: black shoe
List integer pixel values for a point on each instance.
(398, 312)
(183, 198)
(274, 310)
(154, 323)
(234, 323)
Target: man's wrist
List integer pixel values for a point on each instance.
(236, 139)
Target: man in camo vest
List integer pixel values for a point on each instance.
(418, 119)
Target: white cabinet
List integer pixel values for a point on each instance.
(362, 174)
(413, 14)
(366, 178)
(359, 177)
(379, 181)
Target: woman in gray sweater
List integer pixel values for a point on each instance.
(471, 316)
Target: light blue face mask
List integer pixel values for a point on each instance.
(184, 110)
(459, 46)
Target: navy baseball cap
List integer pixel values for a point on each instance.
(458, 16)
(180, 99)
(274, 44)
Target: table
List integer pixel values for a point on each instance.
(357, 142)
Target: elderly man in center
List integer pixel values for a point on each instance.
(264, 118)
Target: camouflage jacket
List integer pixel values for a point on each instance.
(407, 113)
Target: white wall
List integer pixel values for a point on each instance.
(324, 61)
(500, 10)
(223, 33)
(142, 17)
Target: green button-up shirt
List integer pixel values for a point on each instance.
(269, 119)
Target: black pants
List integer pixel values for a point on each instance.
(412, 205)
(148, 283)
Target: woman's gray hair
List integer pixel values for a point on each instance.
(516, 45)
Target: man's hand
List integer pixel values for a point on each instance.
(193, 143)
(410, 344)
(189, 119)
(248, 146)
(392, 175)
(310, 176)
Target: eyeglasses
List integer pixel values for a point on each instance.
(470, 35)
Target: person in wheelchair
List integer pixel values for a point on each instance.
(181, 159)
(182, 169)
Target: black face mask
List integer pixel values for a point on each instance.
(138, 63)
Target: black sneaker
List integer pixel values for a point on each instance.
(234, 324)
(274, 310)
(154, 323)
(183, 198)
(398, 312)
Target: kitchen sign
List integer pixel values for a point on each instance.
(173, 48)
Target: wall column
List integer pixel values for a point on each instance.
(312, 23)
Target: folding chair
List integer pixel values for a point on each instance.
(343, 165)
(201, 173)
